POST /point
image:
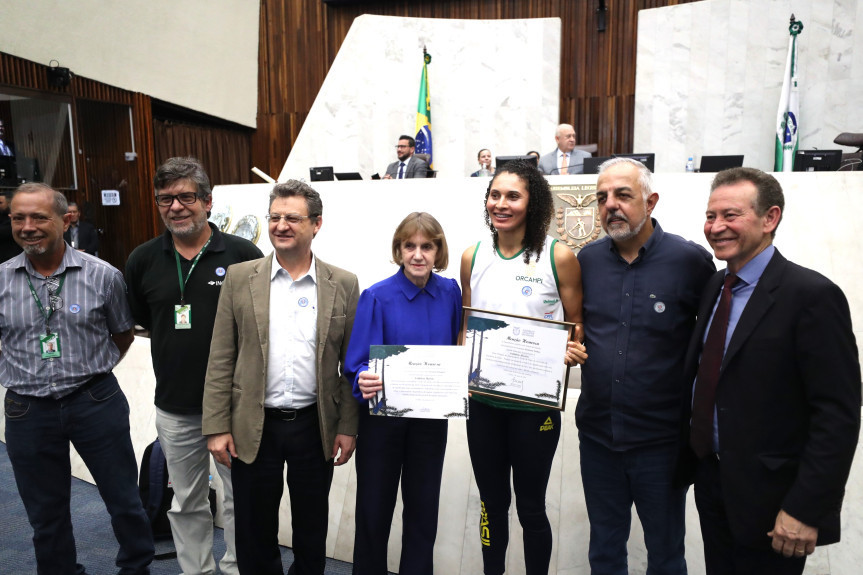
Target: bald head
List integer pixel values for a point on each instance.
(565, 137)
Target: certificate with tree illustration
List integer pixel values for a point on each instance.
(425, 381)
(517, 358)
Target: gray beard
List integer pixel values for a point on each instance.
(193, 230)
(621, 235)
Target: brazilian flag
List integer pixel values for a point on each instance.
(423, 127)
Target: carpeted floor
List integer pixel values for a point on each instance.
(95, 540)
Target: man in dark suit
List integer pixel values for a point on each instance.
(6, 148)
(408, 165)
(775, 407)
(565, 159)
(274, 391)
(81, 235)
(9, 248)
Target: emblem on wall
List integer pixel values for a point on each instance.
(578, 222)
(249, 228)
(221, 216)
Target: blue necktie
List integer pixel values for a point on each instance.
(401, 171)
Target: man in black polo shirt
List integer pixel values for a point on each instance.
(174, 282)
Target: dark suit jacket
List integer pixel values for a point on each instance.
(548, 163)
(236, 381)
(788, 403)
(88, 237)
(416, 168)
(8, 248)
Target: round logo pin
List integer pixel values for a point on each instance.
(526, 290)
(74, 308)
(220, 271)
(659, 307)
(303, 301)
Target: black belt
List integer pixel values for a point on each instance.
(71, 395)
(289, 414)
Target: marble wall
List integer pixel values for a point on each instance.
(492, 83)
(709, 76)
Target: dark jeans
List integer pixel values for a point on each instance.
(722, 554)
(96, 421)
(389, 449)
(258, 488)
(523, 443)
(613, 481)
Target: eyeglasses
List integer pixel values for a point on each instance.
(186, 199)
(290, 218)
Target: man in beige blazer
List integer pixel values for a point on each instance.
(274, 391)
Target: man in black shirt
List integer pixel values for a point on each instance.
(174, 282)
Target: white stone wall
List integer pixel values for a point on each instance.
(492, 84)
(709, 76)
(198, 54)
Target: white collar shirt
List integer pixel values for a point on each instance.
(291, 366)
(560, 156)
(406, 162)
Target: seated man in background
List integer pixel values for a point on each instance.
(565, 159)
(81, 235)
(407, 165)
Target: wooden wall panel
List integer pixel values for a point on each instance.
(300, 39)
(100, 115)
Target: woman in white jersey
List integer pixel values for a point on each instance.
(523, 271)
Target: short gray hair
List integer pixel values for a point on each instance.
(645, 176)
(61, 205)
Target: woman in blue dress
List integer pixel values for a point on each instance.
(415, 306)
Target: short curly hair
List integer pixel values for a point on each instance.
(540, 206)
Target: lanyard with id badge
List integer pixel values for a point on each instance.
(49, 343)
(183, 311)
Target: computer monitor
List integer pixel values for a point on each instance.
(28, 170)
(591, 165)
(342, 176)
(501, 161)
(817, 160)
(713, 164)
(321, 174)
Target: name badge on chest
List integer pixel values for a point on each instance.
(183, 316)
(49, 345)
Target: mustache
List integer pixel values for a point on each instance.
(618, 215)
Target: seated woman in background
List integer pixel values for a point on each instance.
(412, 307)
(484, 159)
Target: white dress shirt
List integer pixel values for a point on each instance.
(291, 369)
(560, 157)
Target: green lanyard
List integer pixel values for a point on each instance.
(46, 314)
(191, 269)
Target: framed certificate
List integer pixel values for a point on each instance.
(517, 358)
(424, 381)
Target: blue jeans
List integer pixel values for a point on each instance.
(96, 421)
(613, 481)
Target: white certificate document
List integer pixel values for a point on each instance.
(517, 358)
(425, 381)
